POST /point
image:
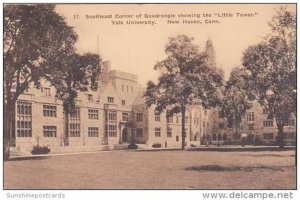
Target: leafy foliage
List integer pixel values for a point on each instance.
(236, 100)
(72, 74)
(156, 145)
(32, 35)
(271, 69)
(38, 44)
(40, 150)
(185, 78)
(132, 146)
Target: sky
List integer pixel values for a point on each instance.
(137, 48)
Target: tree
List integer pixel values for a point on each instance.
(185, 79)
(36, 39)
(235, 101)
(72, 74)
(271, 70)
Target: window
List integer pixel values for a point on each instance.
(23, 108)
(157, 132)
(250, 127)
(177, 120)
(205, 112)
(75, 114)
(46, 91)
(49, 131)
(49, 111)
(207, 124)
(111, 130)
(169, 132)
(110, 100)
(74, 129)
(93, 114)
(221, 125)
(125, 117)
(265, 111)
(123, 102)
(203, 124)
(24, 129)
(250, 116)
(90, 97)
(139, 117)
(24, 119)
(74, 126)
(177, 138)
(268, 123)
(112, 116)
(93, 132)
(268, 136)
(139, 132)
(157, 116)
(186, 120)
(230, 122)
(170, 120)
(291, 122)
(289, 136)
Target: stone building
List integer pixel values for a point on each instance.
(255, 126)
(112, 115)
(116, 114)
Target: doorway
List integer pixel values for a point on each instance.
(124, 135)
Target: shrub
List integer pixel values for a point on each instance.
(192, 145)
(40, 150)
(132, 146)
(156, 145)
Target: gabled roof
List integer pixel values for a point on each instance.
(139, 100)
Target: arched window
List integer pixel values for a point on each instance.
(224, 136)
(219, 136)
(214, 137)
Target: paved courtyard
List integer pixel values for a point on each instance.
(155, 170)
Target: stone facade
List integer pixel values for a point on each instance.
(116, 113)
(255, 126)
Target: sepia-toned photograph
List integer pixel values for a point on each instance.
(149, 96)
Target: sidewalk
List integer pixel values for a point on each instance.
(227, 148)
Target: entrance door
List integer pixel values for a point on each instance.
(125, 135)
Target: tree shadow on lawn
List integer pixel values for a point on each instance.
(218, 168)
(27, 158)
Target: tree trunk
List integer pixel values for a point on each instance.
(6, 136)
(280, 135)
(183, 127)
(67, 124)
(7, 128)
(236, 130)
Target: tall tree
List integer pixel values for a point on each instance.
(236, 100)
(72, 74)
(36, 40)
(185, 78)
(271, 69)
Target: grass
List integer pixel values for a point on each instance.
(155, 170)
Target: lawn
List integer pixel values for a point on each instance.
(155, 170)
